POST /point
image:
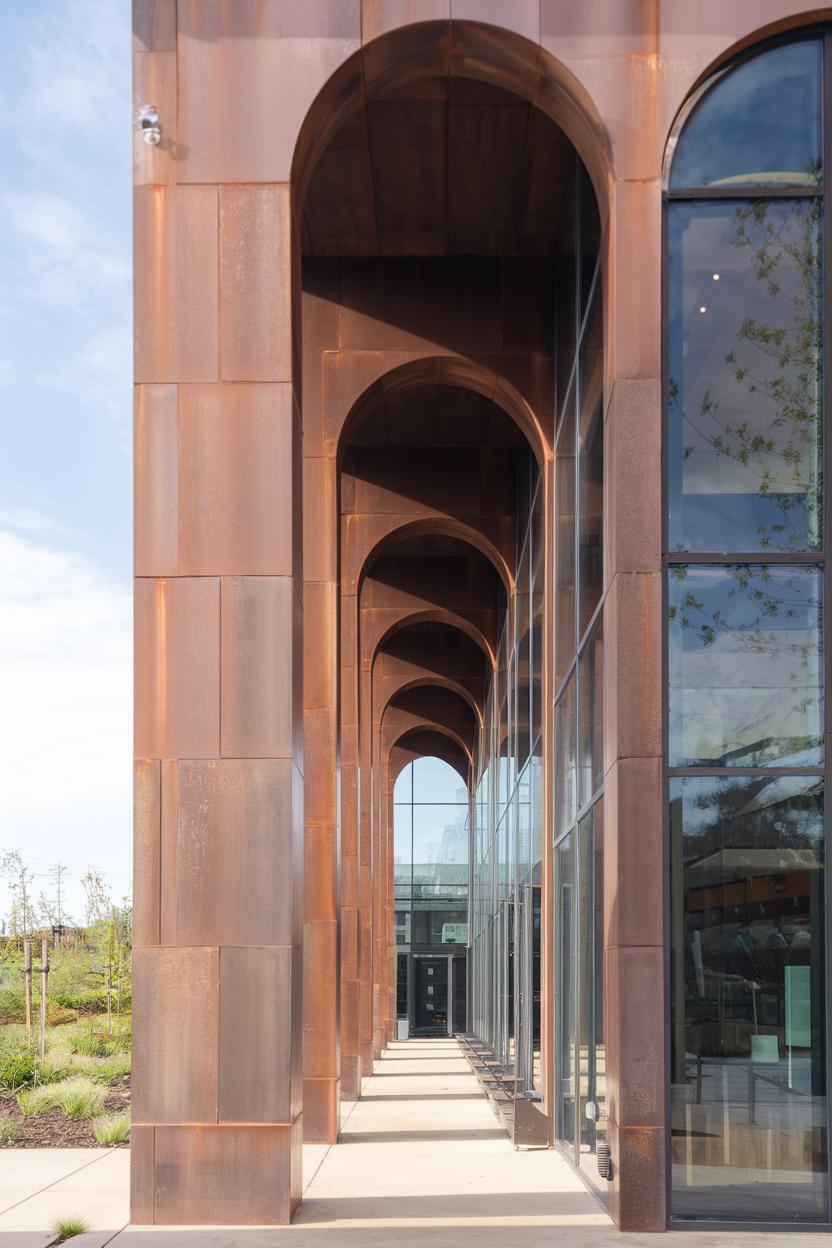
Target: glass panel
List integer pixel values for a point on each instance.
(435, 926)
(566, 803)
(401, 986)
(502, 724)
(748, 1087)
(591, 468)
(403, 788)
(759, 123)
(566, 312)
(436, 781)
(524, 830)
(746, 670)
(537, 1073)
(592, 1125)
(599, 1026)
(538, 558)
(591, 715)
(440, 850)
(565, 546)
(523, 667)
(565, 988)
(402, 850)
(745, 335)
(590, 235)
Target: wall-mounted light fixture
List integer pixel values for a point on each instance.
(150, 125)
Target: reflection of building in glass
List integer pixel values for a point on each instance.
(747, 719)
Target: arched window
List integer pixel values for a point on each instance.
(746, 280)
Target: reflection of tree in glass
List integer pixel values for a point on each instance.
(774, 593)
(781, 364)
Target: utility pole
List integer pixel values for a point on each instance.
(57, 874)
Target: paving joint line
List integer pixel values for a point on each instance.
(54, 1183)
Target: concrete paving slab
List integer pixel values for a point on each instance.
(413, 1168)
(24, 1171)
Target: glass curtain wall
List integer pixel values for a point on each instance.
(578, 712)
(745, 543)
(430, 879)
(506, 870)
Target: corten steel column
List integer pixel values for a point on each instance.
(217, 1105)
(321, 986)
(321, 982)
(625, 82)
(366, 869)
(350, 784)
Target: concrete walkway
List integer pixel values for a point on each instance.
(421, 1163)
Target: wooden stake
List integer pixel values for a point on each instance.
(44, 972)
(27, 986)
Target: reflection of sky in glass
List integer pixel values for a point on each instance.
(430, 831)
(762, 118)
(745, 665)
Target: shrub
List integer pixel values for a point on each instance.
(112, 1129)
(18, 1068)
(89, 1000)
(12, 1009)
(66, 1228)
(9, 1131)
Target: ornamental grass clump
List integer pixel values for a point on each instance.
(68, 1228)
(78, 1097)
(112, 1129)
(9, 1131)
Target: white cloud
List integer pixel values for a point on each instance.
(45, 218)
(32, 522)
(65, 735)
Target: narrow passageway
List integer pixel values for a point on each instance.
(423, 1153)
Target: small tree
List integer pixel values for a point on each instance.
(23, 916)
(97, 893)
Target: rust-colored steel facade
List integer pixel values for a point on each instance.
(345, 293)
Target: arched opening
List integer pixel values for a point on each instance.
(450, 241)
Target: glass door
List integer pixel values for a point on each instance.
(430, 996)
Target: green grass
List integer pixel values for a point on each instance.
(67, 1228)
(112, 1129)
(78, 1097)
(9, 1131)
(108, 1069)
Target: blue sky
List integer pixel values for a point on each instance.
(65, 430)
